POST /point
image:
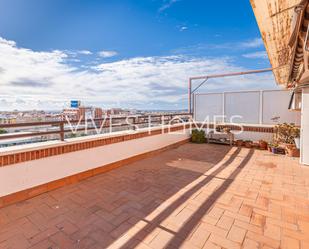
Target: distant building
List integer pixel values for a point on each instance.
(98, 113)
(82, 113)
(120, 112)
(115, 111)
(4, 119)
(70, 113)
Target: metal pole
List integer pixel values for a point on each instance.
(61, 131)
(223, 107)
(189, 97)
(232, 74)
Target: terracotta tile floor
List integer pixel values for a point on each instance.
(194, 196)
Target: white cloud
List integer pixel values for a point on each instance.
(107, 54)
(256, 55)
(228, 47)
(167, 4)
(46, 80)
(85, 52)
(183, 28)
(6, 42)
(253, 43)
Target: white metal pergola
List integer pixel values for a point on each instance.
(207, 77)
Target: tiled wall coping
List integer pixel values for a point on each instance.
(23, 153)
(244, 124)
(246, 127)
(69, 141)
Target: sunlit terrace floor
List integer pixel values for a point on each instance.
(194, 196)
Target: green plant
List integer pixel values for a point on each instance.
(72, 135)
(198, 136)
(3, 131)
(273, 145)
(295, 132)
(285, 133)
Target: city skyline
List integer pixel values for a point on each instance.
(56, 51)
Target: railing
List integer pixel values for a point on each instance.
(97, 123)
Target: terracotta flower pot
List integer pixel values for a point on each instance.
(284, 145)
(248, 144)
(239, 143)
(263, 145)
(256, 145)
(292, 151)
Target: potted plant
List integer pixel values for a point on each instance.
(255, 145)
(274, 148)
(270, 147)
(239, 143)
(280, 150)
(263, 144)
(285, 134)
(198, 136)
(248, 144)
(292, 150)
(226, 130)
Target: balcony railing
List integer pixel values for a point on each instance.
(60, 128)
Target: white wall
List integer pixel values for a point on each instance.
(255, 107)
(276, 103)
(305, 127)
(254, 136)
(17, 177)
(250, 135)
(212, 105)
(243, 104)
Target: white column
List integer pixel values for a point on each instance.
(223, 107)
(304, 149)
(261, 107)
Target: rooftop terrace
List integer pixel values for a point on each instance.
(192, 196)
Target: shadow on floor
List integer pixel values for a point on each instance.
(95, 213)
(189, 225)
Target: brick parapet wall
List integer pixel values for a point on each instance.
(62, 148)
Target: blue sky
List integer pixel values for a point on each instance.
(128, 53)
